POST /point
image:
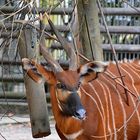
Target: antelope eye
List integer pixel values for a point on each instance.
(61, 86)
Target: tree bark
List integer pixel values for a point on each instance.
(35, 92)
(89, 28)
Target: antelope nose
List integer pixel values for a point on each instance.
(80, 114)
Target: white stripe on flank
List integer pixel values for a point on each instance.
(123, 109)
(112, 111)
(102, 117)
(107, 107)
(102, 108)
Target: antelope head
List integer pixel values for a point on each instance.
(66, 83)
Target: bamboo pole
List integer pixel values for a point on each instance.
(35, 92)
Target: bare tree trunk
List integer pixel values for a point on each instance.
(35, 92)
(89, 28)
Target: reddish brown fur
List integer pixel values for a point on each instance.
(97, 97)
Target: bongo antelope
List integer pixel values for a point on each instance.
(88, 102)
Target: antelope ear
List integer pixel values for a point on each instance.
(31, 71)
(37, 72)
(89, 71)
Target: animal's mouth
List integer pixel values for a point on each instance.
(80, 119)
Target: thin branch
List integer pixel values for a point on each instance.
(131, 6)
(82, 56)
(47, 11)
(15, 12)
(23, 22)
(2, 136)
(113, 50)
(115, 80)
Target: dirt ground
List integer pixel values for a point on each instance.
(11, 130)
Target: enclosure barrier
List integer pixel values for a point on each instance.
(69, 10)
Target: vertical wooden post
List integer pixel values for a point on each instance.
(89, 35)
(35, 92)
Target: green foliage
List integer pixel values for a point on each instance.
(48, 3)
(43, 3)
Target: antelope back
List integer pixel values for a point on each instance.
(104, 100)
